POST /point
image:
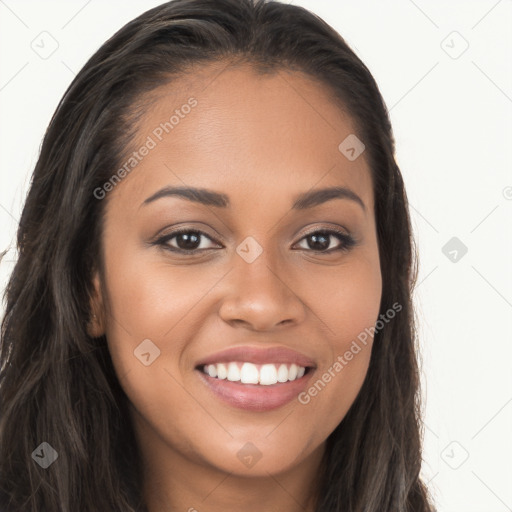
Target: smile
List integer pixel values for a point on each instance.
(255, 378)
(249, 373)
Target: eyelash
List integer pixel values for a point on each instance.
(347, 241)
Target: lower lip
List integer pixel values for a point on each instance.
(256, 397)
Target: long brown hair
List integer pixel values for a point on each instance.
(58, 385)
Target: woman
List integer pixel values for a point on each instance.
(211, 308)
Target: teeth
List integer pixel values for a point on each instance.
(233, 372)
(222, 372)
(268, 374)
(282, 373)
(249, 373)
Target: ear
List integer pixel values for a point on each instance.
(96, 324)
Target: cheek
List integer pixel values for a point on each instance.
(346, 298)
(155, 311)
(149, 320)
(347, 301)
(152, 300)
(354, 301)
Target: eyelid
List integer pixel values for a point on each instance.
(176, 229)
(336, 229)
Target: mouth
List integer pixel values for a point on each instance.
(250, 379)
(249, 373)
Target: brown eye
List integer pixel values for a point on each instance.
(320, 241)
(188, 241)
(185, 241)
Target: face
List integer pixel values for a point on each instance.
(262, 283)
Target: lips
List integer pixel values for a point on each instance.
(255, 394)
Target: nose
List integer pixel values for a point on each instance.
(261, 296)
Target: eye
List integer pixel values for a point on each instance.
(185, 241)
(319, 241)
(190, 241)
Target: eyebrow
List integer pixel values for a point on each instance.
(302, 201)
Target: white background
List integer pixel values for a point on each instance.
(451, 113)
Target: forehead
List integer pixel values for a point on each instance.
(250, 135)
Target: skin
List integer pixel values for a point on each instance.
(261, 140)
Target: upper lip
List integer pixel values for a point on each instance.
(258, 355)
